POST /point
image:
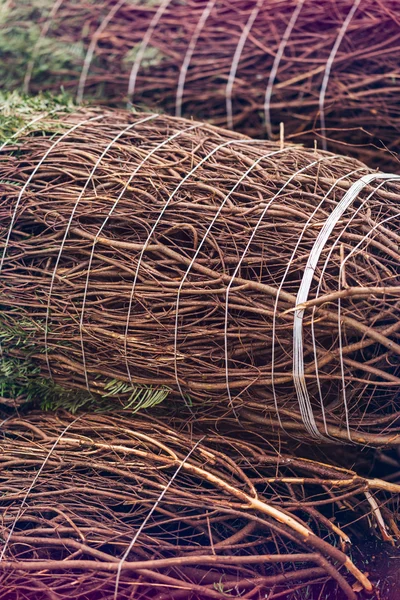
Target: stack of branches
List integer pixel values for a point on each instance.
(326, 67)
(144, 254)
(101, 506)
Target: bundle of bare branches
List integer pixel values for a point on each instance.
(326, 66)
(101, 506)
(144, 254)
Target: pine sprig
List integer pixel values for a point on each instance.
(18, 110)
(140, 397)
(21, 379)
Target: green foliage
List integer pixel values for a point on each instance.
(152, 56)
(220, 587)
(18, 332)
(21, 377)
(21, 381)
(18, 110)
(22, 44)
(56, 397)
(15, 378)
(140, 397)
(28, 106)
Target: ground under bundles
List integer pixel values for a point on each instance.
(328, 66)
(144, 255)
(100, 505)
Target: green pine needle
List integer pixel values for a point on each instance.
(21, 377)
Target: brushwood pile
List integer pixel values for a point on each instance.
(328, 69)
(232, 517)
(199, 299)
(149, 253)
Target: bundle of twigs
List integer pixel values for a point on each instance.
(329, 66)
(100, 506)
(143, 254)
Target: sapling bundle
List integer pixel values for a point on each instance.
(324, 68)
(146, 258)
(116, 507)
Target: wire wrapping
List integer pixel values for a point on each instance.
(147, 250)
(175, 512)
(328, 69)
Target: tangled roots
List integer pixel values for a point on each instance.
(145, 254)
(99, 506)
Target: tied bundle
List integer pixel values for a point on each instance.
(101, 506)
(326, 67)
(145, 255)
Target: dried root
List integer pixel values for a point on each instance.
(145, 256)
(101, 506)
(324, 68)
